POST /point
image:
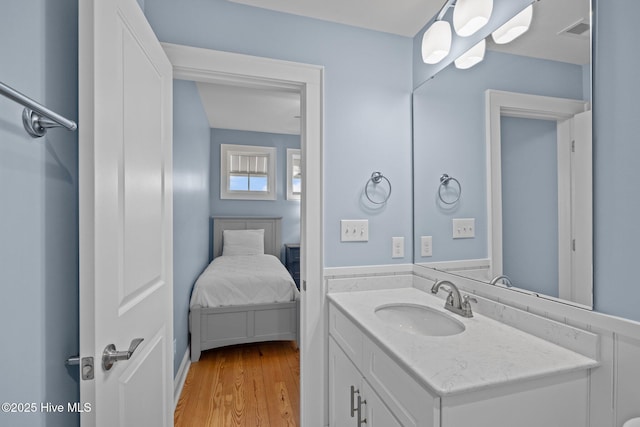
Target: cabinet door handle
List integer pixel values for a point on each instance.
(360, 403)
(353, 401)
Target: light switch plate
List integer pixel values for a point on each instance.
(426, 246)
(464, 228)
(397, 244)
(354, 230)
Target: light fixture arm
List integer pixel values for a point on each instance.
(445, 7)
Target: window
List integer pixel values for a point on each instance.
(247, 172)
(294, 174)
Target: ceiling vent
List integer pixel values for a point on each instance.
(580, 29)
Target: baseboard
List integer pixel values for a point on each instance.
(181, 377)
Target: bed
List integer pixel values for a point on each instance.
(241, 315)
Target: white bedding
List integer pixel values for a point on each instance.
(243, 279)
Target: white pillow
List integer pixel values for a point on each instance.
(243, 242)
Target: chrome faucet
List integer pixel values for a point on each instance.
(455, 303)
(505, 280)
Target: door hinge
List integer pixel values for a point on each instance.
(573, 146)
(304, 285)
(573, 244)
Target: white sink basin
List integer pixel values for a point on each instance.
(419, 320)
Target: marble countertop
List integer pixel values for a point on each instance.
(488, 353)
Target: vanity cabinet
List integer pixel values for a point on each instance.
(395, 397)
(392, 397)
(353, 402)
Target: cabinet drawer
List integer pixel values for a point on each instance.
(409, 402)
(346, 334)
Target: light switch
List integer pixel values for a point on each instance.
(464, 228)
(354, 230)
(398, 247)
(426, 246)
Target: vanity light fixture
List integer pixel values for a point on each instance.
(514, 27)
(472, 56)
(436, 42)
(471, 15)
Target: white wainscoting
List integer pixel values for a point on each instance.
(368, 278)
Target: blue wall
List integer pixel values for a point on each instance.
(449, 137)
(367, 116)
(530, 203)
(616, 154)
(39, 212)
(191, 235)
(289, 210)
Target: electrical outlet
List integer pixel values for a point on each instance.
(397, 244)
(464, 228)
(426, 246)
(354, 230)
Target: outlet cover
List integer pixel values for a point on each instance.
(354, 230)
(464, 228)
(426, 246)
(397, 250)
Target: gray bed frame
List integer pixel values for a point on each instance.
(222, 326)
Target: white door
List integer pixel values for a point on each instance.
(582, 211)
(125, 160)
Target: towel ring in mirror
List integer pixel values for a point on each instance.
(444, 182)
(376, 178)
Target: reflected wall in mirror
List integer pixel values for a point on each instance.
(527, 236)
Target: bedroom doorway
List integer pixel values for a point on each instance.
(228, 69)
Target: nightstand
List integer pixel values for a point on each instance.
(292, 261)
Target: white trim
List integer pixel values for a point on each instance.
(204, 65)
(292, 153)
(511, 104)
(181, 377)
(367, 270)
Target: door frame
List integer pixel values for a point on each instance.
(211, 66)
(561, 110)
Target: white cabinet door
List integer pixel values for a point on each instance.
(376, 413)
(342, 376)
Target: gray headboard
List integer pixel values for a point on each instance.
(270, 225)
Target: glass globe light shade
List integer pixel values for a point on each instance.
(436, 42)
(471, 15)
(514, 27)
(472, 56)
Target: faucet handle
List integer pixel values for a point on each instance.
(450, 298)
(466, 305)
(468, 298)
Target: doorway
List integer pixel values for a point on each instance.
(207, 66)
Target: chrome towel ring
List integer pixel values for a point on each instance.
(376, 178)
(444, 182)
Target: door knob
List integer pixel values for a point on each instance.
(110, 355)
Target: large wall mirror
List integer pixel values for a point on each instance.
(515, 133)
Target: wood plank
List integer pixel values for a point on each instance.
(255, 385)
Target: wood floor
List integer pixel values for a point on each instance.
(256, 385)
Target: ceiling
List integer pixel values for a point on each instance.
(402, 17)
(252, 109)
(277, 111)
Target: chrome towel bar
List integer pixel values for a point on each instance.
(36, 118)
